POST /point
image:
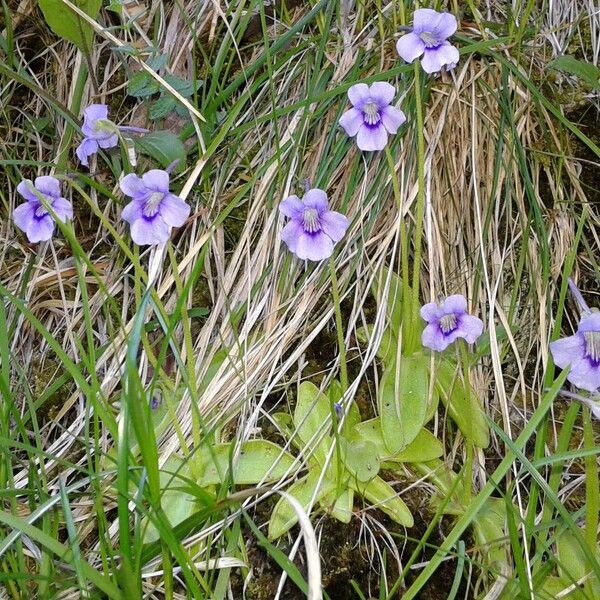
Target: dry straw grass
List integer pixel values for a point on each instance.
(478, 232)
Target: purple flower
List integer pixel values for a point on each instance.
(449, 321)
(582, 352)
(98, 130)
(32, 216)
(428, 38)
(154, 210)
(371, 117)
(313, 228)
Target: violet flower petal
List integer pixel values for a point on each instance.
(108, 142)
(63, 209)
(25, 188)
(433, 338)
(85, 149)
(392, 118)
(435, 58)
(156, 180)
(410, 47)
(23, 215)
(292, 207)
(334, 225)
(40, 229)
(423, 18)
(49, 186)
(148, 232)
(314, 246)
(132, 185)
(456, 303)
(584, 375)
(351, 121)
(95, 112)
(315, 198)
(174, 210)
(359, 94)
(382, 93)
(371, 138)
(132, 211)
(291, 233)
(567, 350)
(431, 311)
(470, 328)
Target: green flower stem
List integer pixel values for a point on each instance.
(592, 502)
(65, 143)
(420, 198)
(468, 466)
(339, 325)
(403, 240)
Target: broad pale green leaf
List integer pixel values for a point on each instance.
(362, 460)
(464, 408)
(370, 431)
(177, 504)
(311, 418)
(163, 146)
(68, 24)
(584, 70)
(284, 517)
(342, 507)
(423, 448)
(257, 460)
(388, 346)
(572, 562)
(403, 401)
(488, 528)
(383, 496)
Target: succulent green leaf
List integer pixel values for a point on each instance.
(464, 408)
(258, 460)
(403, 401)
(177, 504)
(383, 496)
(284, 517)
(362, 460)
(423, 448)
(312, 412)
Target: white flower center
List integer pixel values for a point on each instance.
(448, 323)
(153, 203)
(371, 113)
(429, 39)
(41, 211)
(592, 345)
(310, 220)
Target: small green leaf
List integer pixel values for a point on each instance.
(370, 431)
(141, 84)
(284, 517)
(68, 24)
(385, 498)
(464, 408)
(362, 460)
(258, 460)
(584, 70)
(488, 528)
(572, 562)
(163, 146)
(162, 107)
(403, 400)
